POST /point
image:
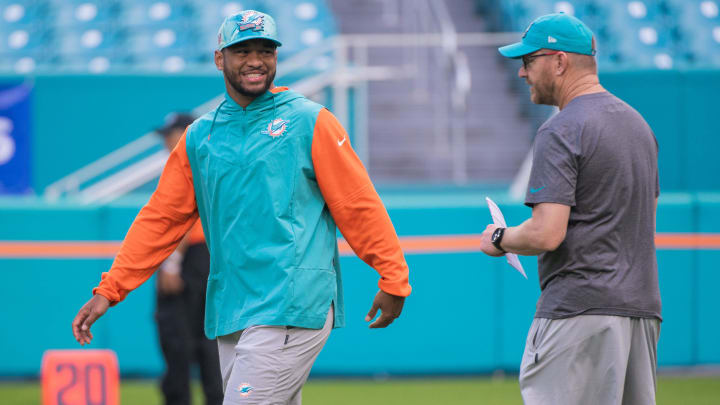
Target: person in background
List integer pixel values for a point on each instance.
(181, 286)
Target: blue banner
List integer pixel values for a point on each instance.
(15, 112)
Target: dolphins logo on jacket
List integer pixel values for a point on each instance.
(276, 128)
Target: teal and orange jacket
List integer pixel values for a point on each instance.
(270, 182)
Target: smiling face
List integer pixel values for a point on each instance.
(249, 68)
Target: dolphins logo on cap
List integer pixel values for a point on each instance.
(251, 21)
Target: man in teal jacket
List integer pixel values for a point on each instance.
(270, 174)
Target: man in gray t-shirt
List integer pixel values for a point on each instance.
(599, 157)
(593, 191)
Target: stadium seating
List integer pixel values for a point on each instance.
(98, 36)
(657, 34)
(700, 27)
(119, 36)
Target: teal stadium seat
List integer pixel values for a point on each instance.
(641, 35)
(74, 13)
(699, 22)
(210, 13)
(25, 42)
(90, 35)
(154, 14)
(93, 47)
(654, 34)
(23, 12)
(171, 48)
(164, 36)
(307, 23)
(647, 46)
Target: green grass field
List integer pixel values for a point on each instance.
(457, 391)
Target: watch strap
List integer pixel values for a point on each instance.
(497, 238)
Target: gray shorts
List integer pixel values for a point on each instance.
(269, 364)
(590, 360)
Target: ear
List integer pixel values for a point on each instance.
(219, 60)
(561, 63)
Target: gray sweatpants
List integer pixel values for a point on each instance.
(590, 360)
(269, 364)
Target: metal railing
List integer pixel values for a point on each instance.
(461, 79)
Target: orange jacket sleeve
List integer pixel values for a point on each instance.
(355, 205)
(196, 235)
(156, 231)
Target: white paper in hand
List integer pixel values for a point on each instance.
(499, 220)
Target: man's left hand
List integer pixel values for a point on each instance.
(485, 242)
(390, 306)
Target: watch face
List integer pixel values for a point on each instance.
(495, 235)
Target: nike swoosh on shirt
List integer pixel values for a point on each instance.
(535, 190)
(340, 143)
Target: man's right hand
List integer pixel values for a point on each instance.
(88, 314)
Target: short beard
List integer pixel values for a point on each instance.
(543, 98)
(544, 95)
(248, 93)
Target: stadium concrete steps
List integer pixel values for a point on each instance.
(403, 144)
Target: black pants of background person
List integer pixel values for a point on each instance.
(180, 326)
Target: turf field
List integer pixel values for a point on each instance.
(458, 391)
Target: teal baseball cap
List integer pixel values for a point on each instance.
(246, 25)
(557, 31)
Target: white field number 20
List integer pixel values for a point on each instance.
(7, 144)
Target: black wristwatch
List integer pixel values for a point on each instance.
(496, 238)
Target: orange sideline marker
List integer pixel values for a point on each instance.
(80, 377)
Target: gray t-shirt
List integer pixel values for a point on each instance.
(598, 156)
